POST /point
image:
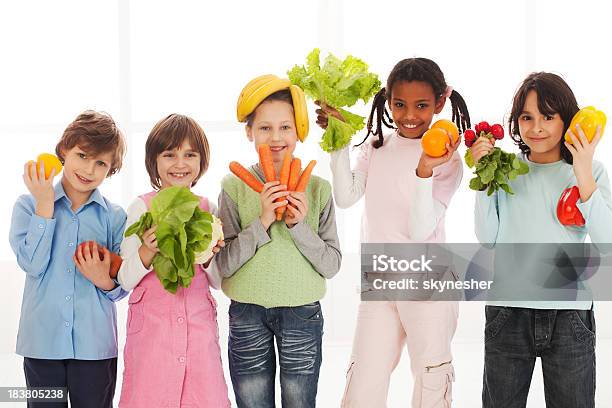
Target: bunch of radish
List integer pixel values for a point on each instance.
(494, 170)
(483, 129)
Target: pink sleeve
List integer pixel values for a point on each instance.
(446, 179)
(362, 161)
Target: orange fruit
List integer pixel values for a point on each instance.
(50, 162)
(434, 142)
(449, 126)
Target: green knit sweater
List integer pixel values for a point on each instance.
(278, 274)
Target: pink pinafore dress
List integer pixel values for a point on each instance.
(172, 356)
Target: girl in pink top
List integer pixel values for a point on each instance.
(406, 195)
(171, 356)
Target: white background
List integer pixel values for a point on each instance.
(140, 60)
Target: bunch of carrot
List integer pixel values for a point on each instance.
(289, 173)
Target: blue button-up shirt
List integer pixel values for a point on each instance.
(63, 315)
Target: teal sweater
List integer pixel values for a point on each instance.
(529, 216)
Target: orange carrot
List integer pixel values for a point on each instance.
(284, 179)
(294, 174)
(246, 176)
(305, 177)
(265, 161)
(285, 168)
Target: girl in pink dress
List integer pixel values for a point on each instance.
(171, 356)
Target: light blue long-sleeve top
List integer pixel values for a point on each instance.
(530, 216)
(63, 315)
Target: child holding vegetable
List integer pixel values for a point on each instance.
(561, 332)
(172, 355)
(406, 196)
(275, 271)
(67, 331)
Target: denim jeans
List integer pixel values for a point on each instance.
(252, 355)
(563, 339)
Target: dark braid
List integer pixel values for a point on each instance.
(414, 69)
(382, 117)
(461, 116)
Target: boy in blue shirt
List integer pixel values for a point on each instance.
(67, 331)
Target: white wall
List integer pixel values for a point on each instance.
(139, 60)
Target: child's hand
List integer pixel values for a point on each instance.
(582, 152)
(324, 112)
(271, 191)
(41, 189)
(428, 163)
(215, 250)
(148, 249)
(481, 147)
(90, 265)
(296, 209)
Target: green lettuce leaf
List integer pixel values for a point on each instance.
(469, 160)
(356, 122)
(173, 206)
(337, 135)
(139, 227)
(338, 83)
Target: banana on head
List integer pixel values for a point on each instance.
(263, 86)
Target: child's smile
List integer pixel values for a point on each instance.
(179, 166)
(413, 105)
(83, 179)
(179, 176)
(277, 148)
(411, 128)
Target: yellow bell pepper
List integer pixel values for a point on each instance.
(588, 118)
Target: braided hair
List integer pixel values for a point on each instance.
(554, 96)
(414, 69)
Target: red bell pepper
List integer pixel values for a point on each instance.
(115, 260)
(567, 210)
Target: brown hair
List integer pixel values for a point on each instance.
(554, 96)
(95, 133)
(170, 133)
(283, 95)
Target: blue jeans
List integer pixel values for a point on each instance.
(252, 358)
(563, 339)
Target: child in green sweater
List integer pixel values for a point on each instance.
(275, 271)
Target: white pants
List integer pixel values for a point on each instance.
(383, 327)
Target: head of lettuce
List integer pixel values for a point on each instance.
(337, 83)
(185, 235)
